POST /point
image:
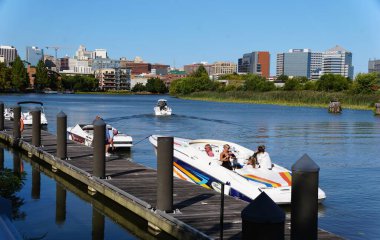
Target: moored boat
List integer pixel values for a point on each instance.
(27, 115)
(84, 133)
(192, 163)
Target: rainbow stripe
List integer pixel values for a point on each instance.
(197, 179)
(287, 177)
(261, 180)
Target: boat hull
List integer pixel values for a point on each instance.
(245, 187)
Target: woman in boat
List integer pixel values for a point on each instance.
(225, 157)
(263, 158)
(208, 150)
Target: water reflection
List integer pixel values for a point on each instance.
(60, 204)
(97, 225)
(12, 182)
(102, 210)
(36, 182)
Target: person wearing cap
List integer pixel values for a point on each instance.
(263, 158)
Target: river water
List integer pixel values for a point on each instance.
(345, 146)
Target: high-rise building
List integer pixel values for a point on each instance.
(374, 66)
(34, 55)
(256, 63)
(337, 60)
(9, 53)
(299, 63)
(294, 63)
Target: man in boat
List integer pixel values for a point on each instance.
(263, 158)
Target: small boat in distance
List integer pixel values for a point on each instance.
(84, 133)
(162, 108)
(194, 164)
(27, 115)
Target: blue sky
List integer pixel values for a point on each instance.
(183, 32)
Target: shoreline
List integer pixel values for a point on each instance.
(278, 103)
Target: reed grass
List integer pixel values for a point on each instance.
(290, 98)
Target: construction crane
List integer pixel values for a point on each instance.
(55, 49)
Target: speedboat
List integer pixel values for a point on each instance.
(84, 133)
(8, 113)
(192, 163)
(27, 116)
(162, 108)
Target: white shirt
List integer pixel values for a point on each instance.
(264, 160)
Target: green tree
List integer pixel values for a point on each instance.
(5, 77)
(282, 78)
(292, 84)
(200, 72)
(310, 85)
(19, 76)
(333, 83)
(139, 87)
(156, 85)
(257, 83)
(365, 83)
(42, 79)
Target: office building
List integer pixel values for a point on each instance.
(337, 60)
(374, 66)
(8, 54)
(256, 63)
(159, 69)
(34, 55)
(299, 63)
(136, 67)
(294, 63)
(221, 68)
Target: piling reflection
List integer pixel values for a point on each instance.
(1, 159)
(60, 206)
(36, 182)
(17, 164)
(97, 225)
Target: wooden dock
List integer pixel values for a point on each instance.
(133, 186)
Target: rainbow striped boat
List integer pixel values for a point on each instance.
(192, 163)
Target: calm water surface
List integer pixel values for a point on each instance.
(345, 146)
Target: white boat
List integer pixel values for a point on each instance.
(27, 115)
(8, 114)
(84, 133)
(162, 108)
(193, 164)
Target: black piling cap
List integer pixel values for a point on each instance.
(61, 114)
(263, 210)
(305, 164)
(99, 122)
(35, 109)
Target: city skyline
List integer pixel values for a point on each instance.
(176, 33)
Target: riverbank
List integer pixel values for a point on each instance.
(289, 98)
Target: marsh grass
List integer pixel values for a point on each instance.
(290, 98)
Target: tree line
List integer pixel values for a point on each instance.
(364, 83)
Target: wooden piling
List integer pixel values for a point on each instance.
(377, 108)
(335, 107)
